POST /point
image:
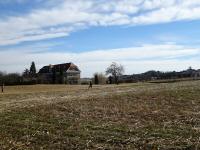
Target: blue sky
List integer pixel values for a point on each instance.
(139, 34)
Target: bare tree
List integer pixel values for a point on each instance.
(115, 70)
(26, 73)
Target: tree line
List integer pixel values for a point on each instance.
(158, 75)
(114, 71)
(29, 76)
(113, 75)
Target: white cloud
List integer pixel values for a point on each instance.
(135, 59)
(71, 15)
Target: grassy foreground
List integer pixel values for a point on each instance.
(128, 116)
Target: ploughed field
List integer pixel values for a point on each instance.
(126, 116)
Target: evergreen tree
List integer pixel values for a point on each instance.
(96, 78)
(33, 69)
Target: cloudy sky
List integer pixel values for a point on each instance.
(139, 34)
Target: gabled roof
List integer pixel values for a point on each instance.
(59, 67)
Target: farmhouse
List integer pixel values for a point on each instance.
(66, 73)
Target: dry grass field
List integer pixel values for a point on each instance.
(128, 116)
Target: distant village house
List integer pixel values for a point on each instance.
(67, 73)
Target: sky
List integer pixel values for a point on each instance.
(141, 35)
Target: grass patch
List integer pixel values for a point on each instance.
(135, 116)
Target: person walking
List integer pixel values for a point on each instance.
(2, 88)
(90, 85)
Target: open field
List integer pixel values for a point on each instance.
(127, 116)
